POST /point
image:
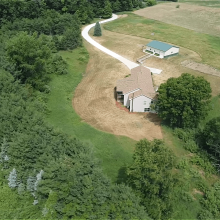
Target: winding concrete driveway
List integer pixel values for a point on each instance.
(85, 34)
(128, 63)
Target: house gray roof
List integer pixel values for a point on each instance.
(140, 80)
(160, 45)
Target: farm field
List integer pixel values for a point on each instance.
(194, 17)
(206, 46)
(130, 47)
(207, 3)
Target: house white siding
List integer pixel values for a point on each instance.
(126, 98)
(171, 51)
(140, 103)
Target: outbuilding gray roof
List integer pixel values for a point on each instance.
(160, 45)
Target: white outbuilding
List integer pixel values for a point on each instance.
(161, 49)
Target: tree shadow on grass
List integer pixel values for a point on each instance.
(122, 176)
(152, 117)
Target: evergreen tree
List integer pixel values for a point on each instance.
(97, 30)
(12, 179)
(39, 177)
(21, 188)
(3, 154)
(31, 184)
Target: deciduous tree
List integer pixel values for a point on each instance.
(184, 101)
(151, 177)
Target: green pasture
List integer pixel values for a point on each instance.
(113, 151)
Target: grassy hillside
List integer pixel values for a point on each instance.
(113, 151)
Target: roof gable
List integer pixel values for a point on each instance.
(160, 45)
(140, 80)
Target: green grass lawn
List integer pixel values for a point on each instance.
(113, 151)
(207, 46)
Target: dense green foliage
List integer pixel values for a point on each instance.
(47, 174)
(211, 135)
(97, 30)
(151, 177)
(10, 10)
(45, 161)
(184, 101)
(211, 203)
(30, 57)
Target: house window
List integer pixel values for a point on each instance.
(145, 102)
(146, 109)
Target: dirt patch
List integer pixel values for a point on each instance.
(194, 17)
(196, 191)
(201, 67)
(95, 103)
(122, 16)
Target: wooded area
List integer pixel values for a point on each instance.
(46, 174)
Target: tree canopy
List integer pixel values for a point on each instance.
(184, 101)
(41, 163)
(151, 177)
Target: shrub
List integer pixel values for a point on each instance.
(157, 54)
(149, 51)
(177, 6)
(191, 146)
(184, 135)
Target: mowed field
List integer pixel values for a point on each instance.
(95, 103)
(194, 17)
(131, 47)
(208, 3)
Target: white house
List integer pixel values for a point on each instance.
(160, 49)
(136, 92)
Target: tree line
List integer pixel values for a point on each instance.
(60, 173)
(10, 10)
(45, 173)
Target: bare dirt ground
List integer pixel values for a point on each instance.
(201, 67)
(199, 18)
(95, 103)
